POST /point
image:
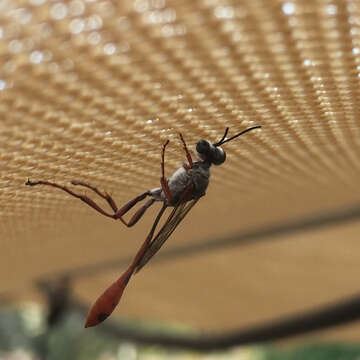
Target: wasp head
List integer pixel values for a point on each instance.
(213, 153)
(208, 152)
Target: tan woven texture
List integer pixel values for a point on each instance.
(90, 90)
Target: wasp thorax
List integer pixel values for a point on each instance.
(210, 153)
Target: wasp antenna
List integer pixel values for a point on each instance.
(223, 138)
(223, 141)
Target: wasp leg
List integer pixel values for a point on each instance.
(188, 155)
(137, 216)
(125, 208)
(117, 213)
(163, 180)
(105, 195)
(83, 198)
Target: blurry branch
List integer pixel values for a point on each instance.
(320, 318)
(329, 315)
(269, 233)
(57, 293)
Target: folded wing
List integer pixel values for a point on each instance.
(174, 219)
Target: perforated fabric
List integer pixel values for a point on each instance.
(90, 90)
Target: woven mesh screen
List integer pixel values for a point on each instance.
(90, 90)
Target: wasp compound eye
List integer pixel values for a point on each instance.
(203, 147)
(218, 156)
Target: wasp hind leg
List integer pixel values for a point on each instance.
(82, 197)
(105, 195)
(125, 208)
(118, 213)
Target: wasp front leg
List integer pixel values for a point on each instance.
(163, 179)
(190, 164)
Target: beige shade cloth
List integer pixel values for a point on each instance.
(90, 90)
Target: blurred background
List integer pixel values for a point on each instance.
(266, 264)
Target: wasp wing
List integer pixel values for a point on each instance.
(174, 219)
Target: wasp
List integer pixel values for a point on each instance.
(180, 193)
